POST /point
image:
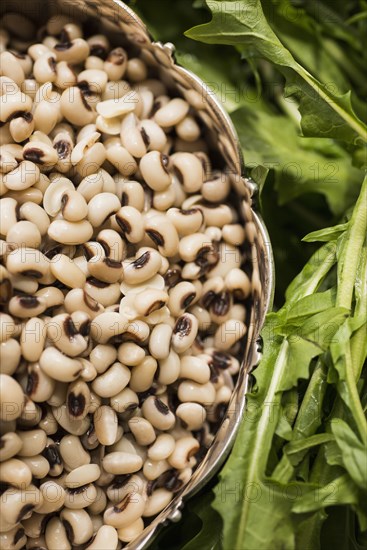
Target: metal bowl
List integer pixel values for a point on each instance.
(123, 27)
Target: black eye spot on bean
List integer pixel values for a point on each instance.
(52, 455)
(98, 51)
(145, 137)
(141, 261)
(97, 283)
(90, 302)
(18, 535)
(160, 406)
(62, 148)
(84, 328)
(31, 273)
(156, 237)
(24, 511)
(123, 224)
(186, 300)
(112, 263)
(6, 291)
(70, 328)
(34, 155)
(172, 277)
(63, 46)
(69, 531)
(116, 56)
(122, 505)
(52, 64)
(164, 161)
(120, 481)
(221, 304)
(76, 404)
(28, 302)
(32, 383)
(182, 326)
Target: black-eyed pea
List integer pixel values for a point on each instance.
(188, 129)
(188, 169)
(130, 353)
(119, 157)
(216, 189)
(29, 262)
(153, 135)
(31, 415)
(111, 382)
(65, 75)
(113, 245)
(130, 532)
(107, 325)
(101, 207)
(17, 505)
(70, 233)
(158, 413)
(33, 442)
(91, 186)
(202, 315)
(217, 215)
(39, 385)
(21, 126)
(73, 206)
(186, 222)
(124, 513)
(184, 332)
(78, 399)
(11, 67)
(142, 430)
(115, 64)
(146, 265)
(7, 161)
(44, 68)
(142, 375)
(82, 475)
(34, 213)
(10, 353)
(7, 327)
(78, 299)
(131, 137)
(75, 108)
(230, 257)
(196, 246)
(185, 448)
(238, 283)
(56, 536)
(162, 447)
(22, 177)
(63, 333)
(73, 52)
(12, 398)
(172, 113)
(24, 233)
(59, 366)
(99, 46)
(102, 356)
(67, 272)
(130, 221)
(169, 368)
(8, 214)
(52, 295)
(160, 341)
(181, 296)
(48, 422)
(189, 391)
(126, 401)
(53, 497)
(153, 167)
(106, 294)
(73, 453)
(38, 466)
(59, 395)
(152, 469)
(106, 537)
(192, 415)
(71, 425)
(164, 199)
(130, 193)
(15, 472)
(228, 333)
(100, 502)
(105, 425)
(14, 539)
(158, 500)
(118, 463)
(10, 445)
(195, 368)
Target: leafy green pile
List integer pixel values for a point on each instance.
(290, 72)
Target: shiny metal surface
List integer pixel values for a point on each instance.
(124, 27)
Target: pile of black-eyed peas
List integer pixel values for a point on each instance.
(122, 290)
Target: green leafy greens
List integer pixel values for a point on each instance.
(291, 75)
